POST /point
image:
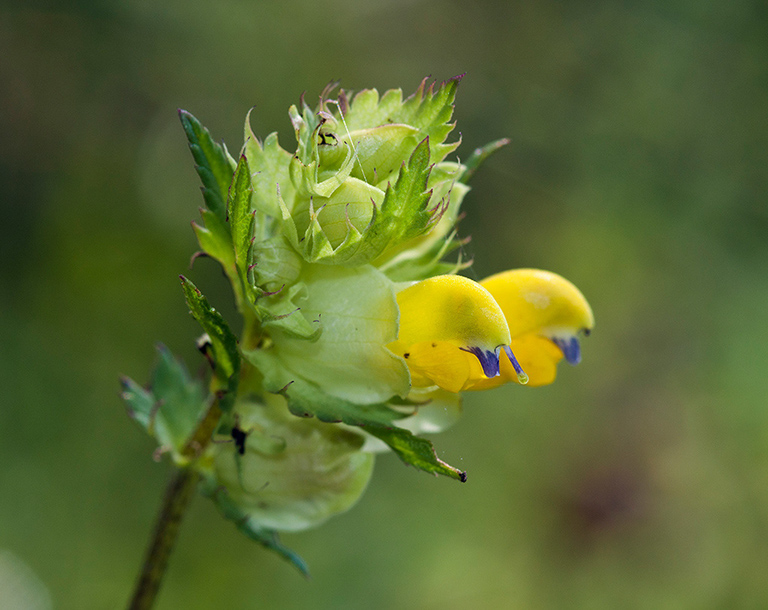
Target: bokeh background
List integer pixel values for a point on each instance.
(638, 169)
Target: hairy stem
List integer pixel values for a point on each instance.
(177, 496)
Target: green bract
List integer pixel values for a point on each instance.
(316, 243)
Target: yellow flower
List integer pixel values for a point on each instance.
(451, 332)
(514, 326)
(546, 315)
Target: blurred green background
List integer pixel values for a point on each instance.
(638, 169)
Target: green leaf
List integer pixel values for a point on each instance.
(431, 111)
(213, 164)
(420, 257)
(428, 110)
(405, 204)
(181, 400)
(416, 451)
(215, 240)
(241, 219)
(139, 402)
(479, 155)
(171, 409)
(306, 399)
(225, 356)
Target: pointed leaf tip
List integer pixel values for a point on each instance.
(224, 343)
(212, 163)
(479, 155)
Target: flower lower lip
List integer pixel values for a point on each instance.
(489, 360)
(570, 348)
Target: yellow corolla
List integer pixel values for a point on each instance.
(451, 332)
(514, 326)
(546, 315)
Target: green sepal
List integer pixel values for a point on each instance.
(315, 245)
(245, 524)
(277, 264)
(213, 164)
(286, 317)
(437, 411)
(356, 312)
(171, 409)
(279, 312)
(224, 354)
(305, 399)
(380, 151)
(428, 265)
(289, 230)
(479, 155)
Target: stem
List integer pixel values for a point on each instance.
(177, 496)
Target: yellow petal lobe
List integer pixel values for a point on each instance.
(537, 356)
(441, 363)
